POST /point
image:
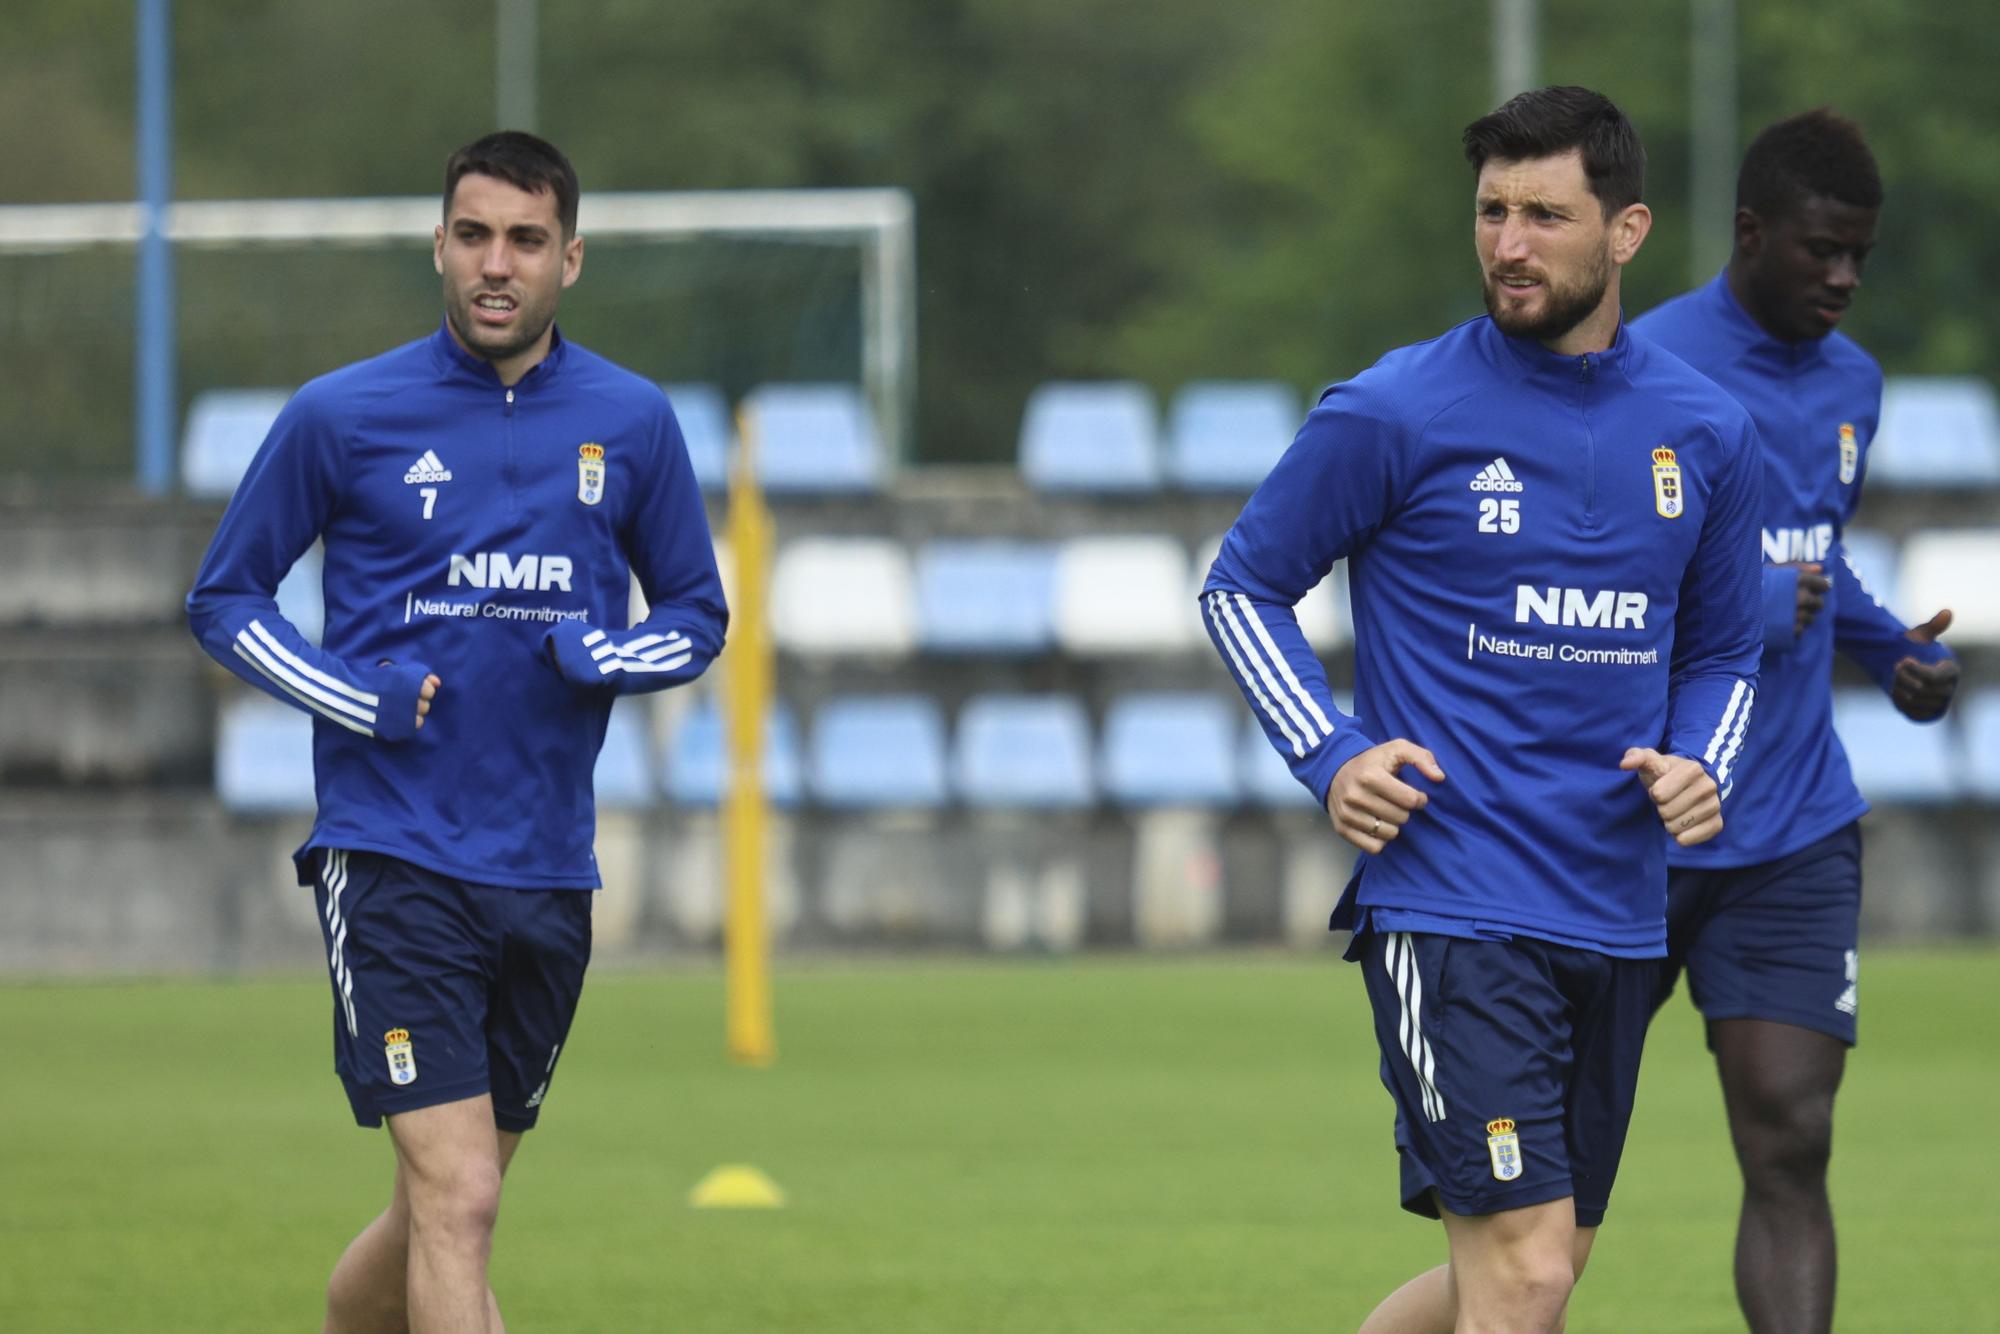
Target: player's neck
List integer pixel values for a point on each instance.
(1595, 332)
(509, 369)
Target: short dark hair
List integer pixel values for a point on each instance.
(1552, 121)
(1815, 153)
(525, 162)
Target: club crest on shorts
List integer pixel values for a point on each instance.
(590, 473)
(1666, 483)
(1503, 1146)
(402, 1056)
(1850, 454)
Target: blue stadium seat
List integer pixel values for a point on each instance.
(1873, 556)
(697, 758)
(815, 439)
(1979, 724)
(1023, 751)
(1170, 749)
(301, 598)
(879, 750)
(1937, 430)
(623, 777)
(1267, 779)
(706, 426)
(224, 428)
(1895, 761)
(1091, 437)
(1225, 435)
(264, 757)
(986, 597)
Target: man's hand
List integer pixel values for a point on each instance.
(1813, 585)
(425, 696)
(1681, 790)
(1368, 803)
(1923, 690)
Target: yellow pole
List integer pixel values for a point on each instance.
(747, 695)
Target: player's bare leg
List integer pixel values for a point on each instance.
(1512, 1272)
(1778, 1082)
(369, 1290)
(1428, 1303)
(449, 1162)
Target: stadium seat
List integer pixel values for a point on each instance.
(623, 776)
(706, 426)
(835, 595)
(1123, 595)
(1091, 437)
(815, 439)
(1226, 435)
(1959, 569)
(698, 757)
(1937, 430)
(301, 599)
(1895, 761)
(1979, 728)
(1023, 751)
(224, 428)
(1873, 556)
(883, 750)
(986, 597)
(1267, 780)
(1322, 613)
(1170, 749)
(264, 757)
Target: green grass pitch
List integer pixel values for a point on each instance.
(1097, 1146)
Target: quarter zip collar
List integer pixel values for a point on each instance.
(1536, 360)
(457, 363)
(1753, 336)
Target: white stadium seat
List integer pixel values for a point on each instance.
(1322, 613)
(843, 595)
(1123, 595)
(1959, 569)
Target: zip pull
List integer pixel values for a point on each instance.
(510, 397)
(1588, 372)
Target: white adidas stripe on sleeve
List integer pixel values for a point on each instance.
(1247, 678)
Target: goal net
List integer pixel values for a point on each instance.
(733, 289)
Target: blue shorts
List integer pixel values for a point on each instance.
(1513, 1064)
(1776, 941)
(443, 989)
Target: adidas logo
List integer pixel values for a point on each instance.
(1496, 476)
(429, 468)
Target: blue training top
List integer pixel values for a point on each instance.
(488, 535)
(1816, 404)
(1551, 559)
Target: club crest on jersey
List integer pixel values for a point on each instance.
(1503, 1146)
(590, 473)
(1850, 454)
(402, 1056)
(1666, 484)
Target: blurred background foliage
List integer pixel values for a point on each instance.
(1161, 189)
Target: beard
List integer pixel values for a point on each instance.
(1565, 305)
(532, 319)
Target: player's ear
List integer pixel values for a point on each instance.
(437, 249)
(1628, 232)
(572, 260)
(1749, 233)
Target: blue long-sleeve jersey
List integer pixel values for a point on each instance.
(1816, 404)
(1551, 559)
(488, 535)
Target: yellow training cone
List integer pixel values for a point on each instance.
(736, 1186)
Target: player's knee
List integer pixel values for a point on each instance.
(1530, 1291)
(461, 1200)
(1789, 1146)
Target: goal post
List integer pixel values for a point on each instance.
(734, 258)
